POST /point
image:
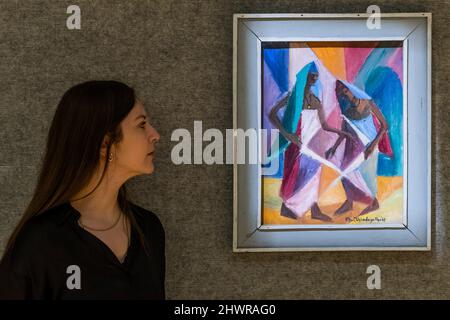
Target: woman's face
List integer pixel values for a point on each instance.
(312, 77)
(343, 90)
(135, 153)
(347, 92)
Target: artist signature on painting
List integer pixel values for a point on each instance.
(365, 219)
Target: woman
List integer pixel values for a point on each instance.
(301, 172)
(80, 237)
(364, 121)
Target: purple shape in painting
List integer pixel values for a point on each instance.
(308, 168)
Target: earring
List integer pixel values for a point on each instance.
(110, 158)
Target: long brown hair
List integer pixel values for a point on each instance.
(85, 114)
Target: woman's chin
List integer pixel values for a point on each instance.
(150, 168)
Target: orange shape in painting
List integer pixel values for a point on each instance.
(331, 54)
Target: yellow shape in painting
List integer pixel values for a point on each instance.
(391, 210)
(388, 185)
(332, 195)
(327, 176)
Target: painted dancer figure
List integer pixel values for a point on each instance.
(366, 123)
(303, 117)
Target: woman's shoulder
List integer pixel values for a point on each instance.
(39, 233)
(47, 220)
(45, 224)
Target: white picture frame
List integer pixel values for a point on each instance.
(414, 29)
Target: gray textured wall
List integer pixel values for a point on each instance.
(178, 55)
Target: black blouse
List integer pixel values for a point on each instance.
(54, 258)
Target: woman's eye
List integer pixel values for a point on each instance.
(143, 124)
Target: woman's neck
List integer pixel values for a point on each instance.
(96, 208)
(101, 205)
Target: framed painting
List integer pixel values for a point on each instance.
(341, 115)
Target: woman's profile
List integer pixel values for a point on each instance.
(80, 236)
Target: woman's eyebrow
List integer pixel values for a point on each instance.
(141, 116)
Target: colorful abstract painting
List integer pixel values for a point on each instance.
(339, 110)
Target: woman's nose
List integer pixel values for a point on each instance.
(154, 136)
